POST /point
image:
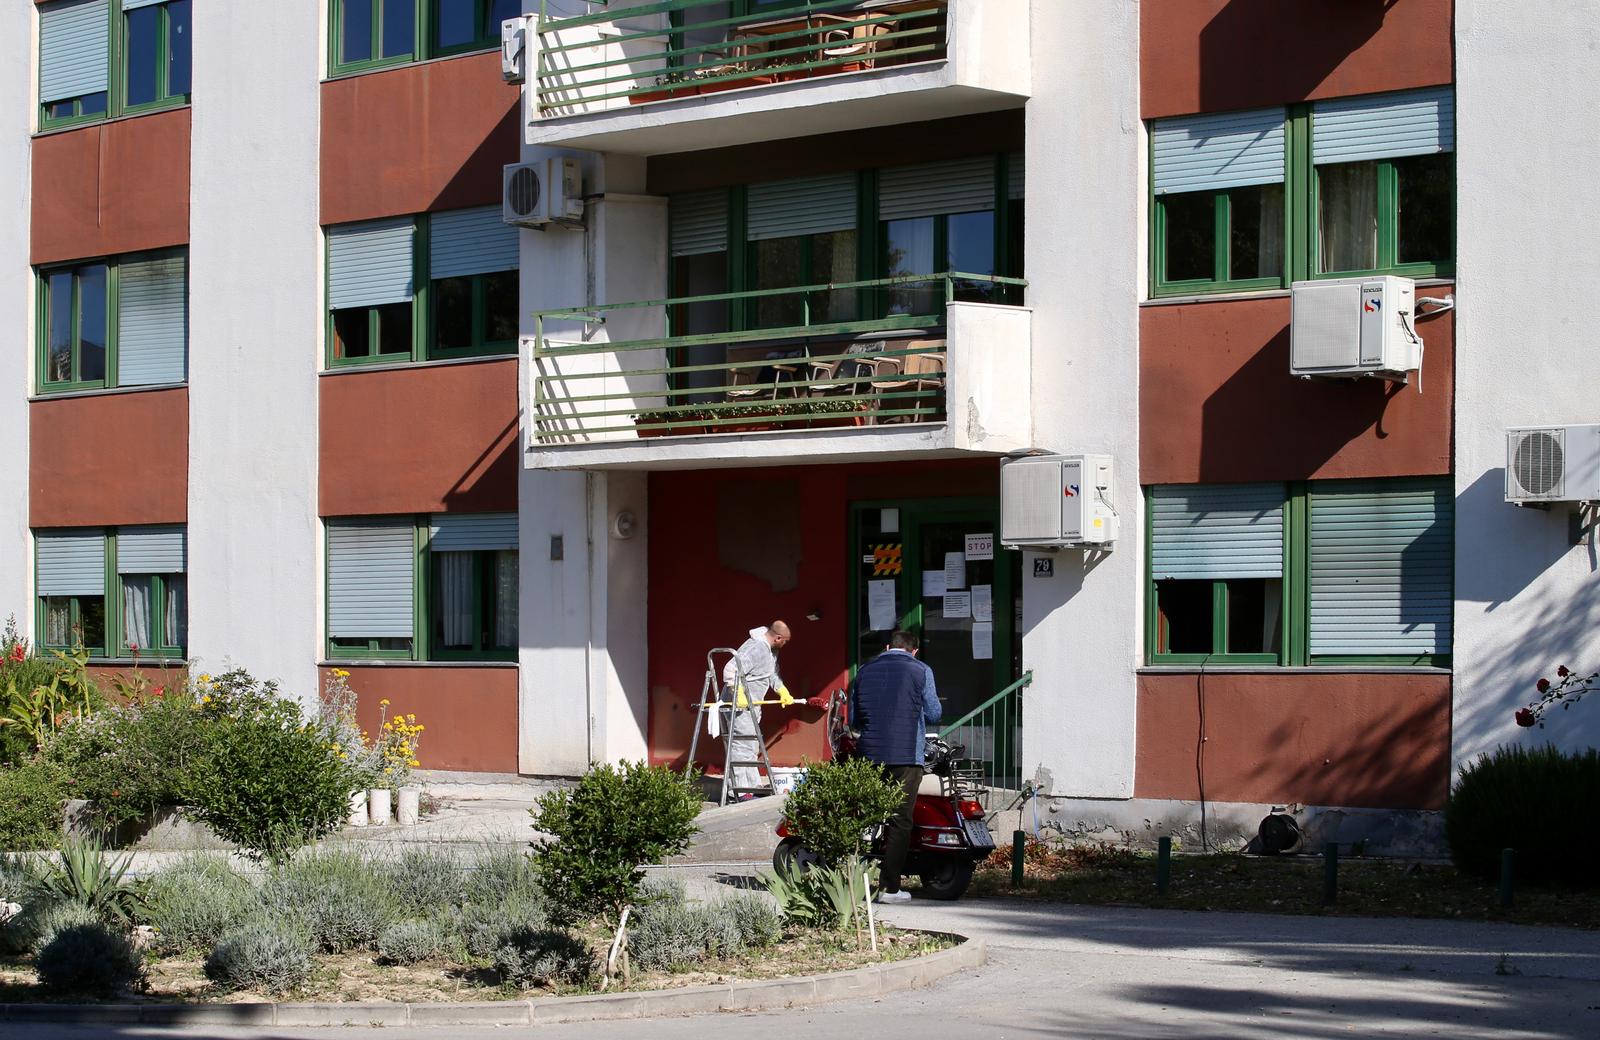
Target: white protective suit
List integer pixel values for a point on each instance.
(759, 663)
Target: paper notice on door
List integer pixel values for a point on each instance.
(889, 521)
(980, 546)
(982, 641)
(957, 604)
(983, 602)
(880, 606)
(932, 584)
(955, 570)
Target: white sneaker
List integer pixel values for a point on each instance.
(901, 896)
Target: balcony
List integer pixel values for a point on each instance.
(655, 76)
(941, 374)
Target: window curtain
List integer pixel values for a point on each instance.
(505, 599)
(1269, 241)
(136, 612)
(1348, 216)
(455, 597)
(175, 624)
(58, 622)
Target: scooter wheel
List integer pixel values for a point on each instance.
(791, 856)
(947, 880)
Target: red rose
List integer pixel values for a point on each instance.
(1525, 717)
(1562, 671)
(1542, 685)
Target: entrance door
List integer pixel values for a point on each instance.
(933, 567)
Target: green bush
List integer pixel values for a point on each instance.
(670, 934)
(756, 919)
(268, 955)
(425, 881)
(836, 806)
(82, 873)
(42, 919)
(130, 760)
(342, 902)
(544, 957)
(1538, 801)
(501, 874)
(408, 942)
(482, 928)
(38, 693)
(32, 797)
(601, 832)
(196, 901)
(271, 782)
(89, 958)
(821, 896)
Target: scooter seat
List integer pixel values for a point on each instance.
(930, 785)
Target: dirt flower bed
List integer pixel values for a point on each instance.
(361, 977)
(1103, 875)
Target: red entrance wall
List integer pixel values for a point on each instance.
(734, 549)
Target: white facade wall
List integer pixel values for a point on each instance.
(255, 308)
(17, 64)
(1526, 598)
(1081, 627)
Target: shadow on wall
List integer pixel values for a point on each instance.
(1525, 631)
(477, 182)
(1244, 421)
(1319, 34)
(494, 469)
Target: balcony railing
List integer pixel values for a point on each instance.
(853, 372)
(655, 51)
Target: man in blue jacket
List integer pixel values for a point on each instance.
(892, 702)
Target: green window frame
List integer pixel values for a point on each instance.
(425, 310)
(425, 642)
(87, 109)
(1294, 620)
(483, 644)
(113, 643)
(425, 21)
(1301, 244)
(47, 285)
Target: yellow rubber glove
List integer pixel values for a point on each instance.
(741, 700)
(784, 697)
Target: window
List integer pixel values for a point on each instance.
(371, 34)
(81, 347)
(1332, 572)
(802, 232)
(939, 217)
(119, 592)
(427, 589)
(1376, 173)
(151, 40)
(467, 308)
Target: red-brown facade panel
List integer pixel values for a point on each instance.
(1216, 55)
(469, 714)
(116, 187)
(1217, 403)
(419, 440)
(1361, 740)
(109, 459)
(416, 139)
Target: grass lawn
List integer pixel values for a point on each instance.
(1103, 876)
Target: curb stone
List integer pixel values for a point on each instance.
(759, 995)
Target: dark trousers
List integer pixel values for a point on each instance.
(897, 831)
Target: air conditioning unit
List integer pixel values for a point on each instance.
(514, 48)
(1352, 327)
(540, 193)
(1056, 501)
(1553, 464)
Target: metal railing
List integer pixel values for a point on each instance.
(798, 373)
(662, 54)
(992, 734)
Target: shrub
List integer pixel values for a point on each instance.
(195, 902)
(32, 796)
(340, 900)
(130, 760)
(670, 934)
(482, 928)
(756, 919)
(268, 955)
(82, 873)
(41, 920)
(270, 782)
(38, 693)
(1538, 801)
(821, 896)
(544, 957)
(605, 829)
(89, 958)
(425, 881)
(500, 875)
(838, 804)
(408, 942)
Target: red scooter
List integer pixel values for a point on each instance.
(949, 837)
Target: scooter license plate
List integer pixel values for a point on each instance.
(978, 834)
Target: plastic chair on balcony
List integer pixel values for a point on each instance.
(853, 41)
(921, 374)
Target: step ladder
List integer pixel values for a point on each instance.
(716, 708)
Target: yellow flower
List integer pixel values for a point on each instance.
(385, 701)
(414, 763)
(205, 678)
